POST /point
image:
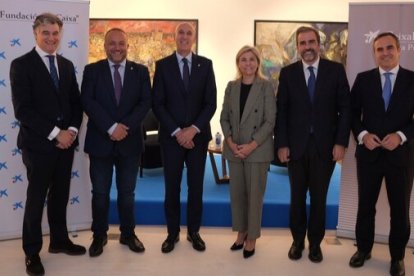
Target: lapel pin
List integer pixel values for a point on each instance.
(132, 68)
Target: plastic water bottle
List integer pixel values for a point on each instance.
(218, 140)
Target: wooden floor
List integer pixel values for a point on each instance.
(270, 258)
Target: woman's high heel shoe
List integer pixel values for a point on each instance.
(248, 253)
(236, 246)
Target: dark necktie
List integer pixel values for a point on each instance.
(117, 83)
(311, 84)
(186, 73)
(53, 71)
(386, 91)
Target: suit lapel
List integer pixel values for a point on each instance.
(398, 88)
(235, 101)
(251, 100)
(302, 81)
(106, 72)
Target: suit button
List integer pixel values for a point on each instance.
(59, 119)
(255, 110)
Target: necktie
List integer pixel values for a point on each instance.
(117, 83)
(386, 91)
(186, 73)
(53, 71)
(311, 83)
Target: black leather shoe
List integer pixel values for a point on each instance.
(248, 253)
(359, 258)
(168, 245)
(97, 246)
(295, 251)
(133, 243)
(236, 246)
(197, 241)
(68, 248)
(34, 266)
(397, 268)
(315, 254)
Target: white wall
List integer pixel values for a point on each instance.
(224, 25)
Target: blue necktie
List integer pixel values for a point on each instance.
(186, 74)
(117, 83)
(53, 71)
(311, 84)
(386, 90)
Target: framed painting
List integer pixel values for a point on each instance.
(276, 42)
(149, 39)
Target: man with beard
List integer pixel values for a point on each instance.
(116, 96)
(311, 134)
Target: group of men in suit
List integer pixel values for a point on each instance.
(314, 116)
(116, 96)
(315, 113)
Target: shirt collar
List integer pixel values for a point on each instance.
(122, 63)
(393, 70)
(43, 53)
(315, 65)
(180, 57)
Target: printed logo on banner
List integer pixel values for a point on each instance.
(17, 178)
(3, 138)
(15, 124)
(3, 166)
(18, 205)
(3, 110)
(74, 200)
(3, 82)
(16, 151)
(3, 55)
(370, 36)
(75, 174)
(73, 43)
(3, 193)
(15, 42)
(406, 39)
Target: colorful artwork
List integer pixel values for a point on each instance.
(276, 42)
(149, 39)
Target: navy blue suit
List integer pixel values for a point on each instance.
(98, 99)
(40, 107)
(310, 131)
(177, 108)
(374, 165)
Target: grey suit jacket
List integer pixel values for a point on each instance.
(256, 123)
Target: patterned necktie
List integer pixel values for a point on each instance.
(186, 73)
(53, 71)
(117, 83)
(311, 83)
(386, 91)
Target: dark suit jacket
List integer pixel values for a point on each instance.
(330, 114)
(176, 107)
(98, 99)
(369, 113)
(38, 106)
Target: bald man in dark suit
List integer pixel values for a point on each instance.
(184, 100)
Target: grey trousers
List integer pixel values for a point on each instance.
(247, 188)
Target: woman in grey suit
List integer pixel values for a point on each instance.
(247, 120)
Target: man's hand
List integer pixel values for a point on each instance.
(120, 132)
(338, 153)
(65, 139)
(371, 141)
(283, 154)
(391, 141)
(185, 137)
